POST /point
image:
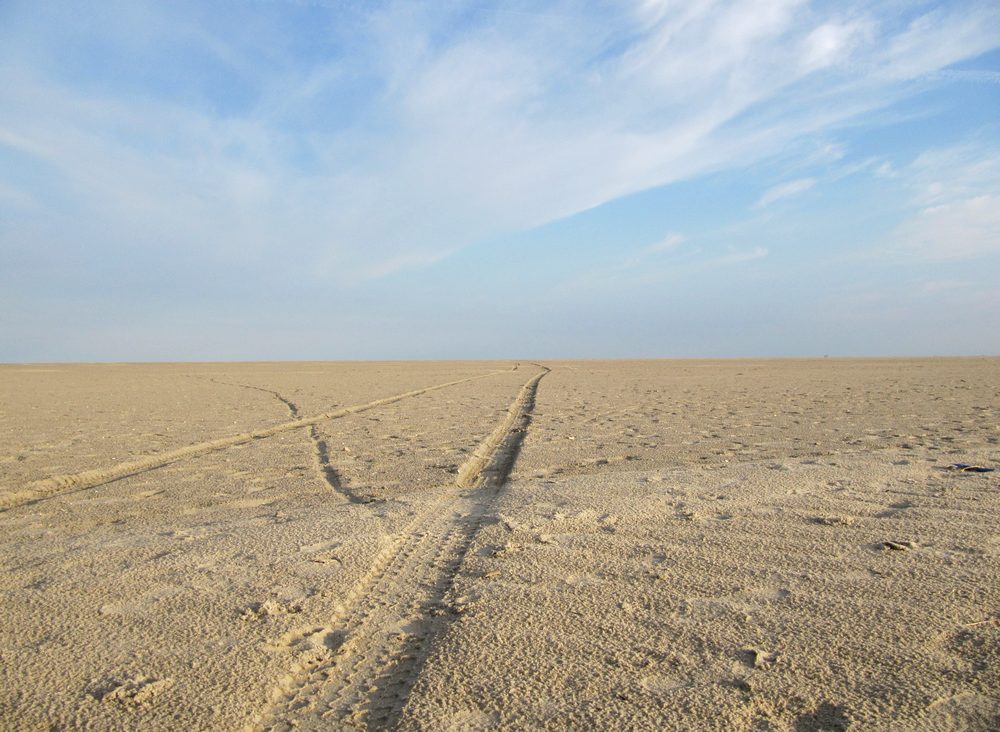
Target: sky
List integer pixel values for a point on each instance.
(266, 180)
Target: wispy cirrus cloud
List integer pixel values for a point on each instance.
(405, 132)
(669, 243)
(954, 205)
(784, 190)
(962, 229)
(737, 257)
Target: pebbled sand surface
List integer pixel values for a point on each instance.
(680, 544)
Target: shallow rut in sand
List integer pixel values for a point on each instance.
(357, 671)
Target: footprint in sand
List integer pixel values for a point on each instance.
(894, 509)
(134, 691)
(319, 639)
(756, 659)
(260, 610)
(832, 520)
(770, 594)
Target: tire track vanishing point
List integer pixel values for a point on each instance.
(357, 671)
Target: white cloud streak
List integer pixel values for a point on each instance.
(784, 190)
(435, 131)
(738, 257)
(955, 206)
(962, 229)
(671, 241)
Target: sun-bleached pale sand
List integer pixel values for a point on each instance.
(513, 545)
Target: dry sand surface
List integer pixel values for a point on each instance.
(474, 545)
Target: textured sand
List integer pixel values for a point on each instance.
(716, 545)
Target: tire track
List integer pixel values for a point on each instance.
(59, 484)
(357, 671)
(293, 408)
(492, 461)
(321, 450)
(327, 473)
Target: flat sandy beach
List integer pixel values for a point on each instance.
(759, 545)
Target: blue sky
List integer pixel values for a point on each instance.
(324, 180)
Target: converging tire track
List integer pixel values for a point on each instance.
(357, 671)
(59, 484)
(321, 451)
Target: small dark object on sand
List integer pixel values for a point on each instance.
(965, 468)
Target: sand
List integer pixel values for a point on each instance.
(475, 545)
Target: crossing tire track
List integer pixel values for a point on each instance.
(58, 484)
(380, 635)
